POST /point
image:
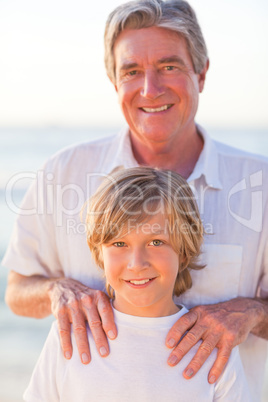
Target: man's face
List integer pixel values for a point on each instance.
(157, 87)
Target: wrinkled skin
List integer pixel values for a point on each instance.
(73, 302)
(223, 325)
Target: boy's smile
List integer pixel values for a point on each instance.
(142, 267)
(140, 282)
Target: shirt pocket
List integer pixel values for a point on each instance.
(219, 280)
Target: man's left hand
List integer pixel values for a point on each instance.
(223, 325)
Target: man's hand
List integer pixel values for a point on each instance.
(223, 325)
(73, 302)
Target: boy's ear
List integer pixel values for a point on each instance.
(100, 256)
(183, 263)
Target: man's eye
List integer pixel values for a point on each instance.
(156, 243)
(134, 72)
(119, 244)
(169, 68)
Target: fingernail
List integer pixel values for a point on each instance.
(173, 360)
(189, 372)
(212, 379)
(67, 355)
(111, 334)
(171, 342)
(103, 351)
(85, 358)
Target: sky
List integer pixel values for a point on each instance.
(52, 71)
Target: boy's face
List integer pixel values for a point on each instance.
(142, 267)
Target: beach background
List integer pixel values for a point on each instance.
(25, 150)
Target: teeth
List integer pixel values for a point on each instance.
(158, 109)
(140, 282)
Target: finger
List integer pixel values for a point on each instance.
(64, 328)
(107, 316)
(187, 342)
(220, 362)
(95, 324)
(80, 331)
(179, 328)
(203, 352)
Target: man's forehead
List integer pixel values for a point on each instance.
(135, 46)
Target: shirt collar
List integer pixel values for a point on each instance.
(121, 153)
(207, 164)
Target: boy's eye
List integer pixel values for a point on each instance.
(119, 244)
(156, 243)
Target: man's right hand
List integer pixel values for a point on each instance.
(73, 302)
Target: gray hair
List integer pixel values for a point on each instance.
(175, 15)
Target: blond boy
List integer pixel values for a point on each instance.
(145, 232)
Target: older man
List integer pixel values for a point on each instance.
(156, 58)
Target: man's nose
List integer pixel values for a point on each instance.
(152, 86)
(137, 261)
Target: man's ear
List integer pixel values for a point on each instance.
(202, 77)
(114, 84)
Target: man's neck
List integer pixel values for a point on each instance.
(180, 156)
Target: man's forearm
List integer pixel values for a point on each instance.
(28, 295)
(261, 329)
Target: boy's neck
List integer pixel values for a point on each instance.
(150, 311)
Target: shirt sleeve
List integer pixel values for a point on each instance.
(32, 249)
(232, 385)
(263, 284)
(45, 382)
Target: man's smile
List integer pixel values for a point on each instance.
(156, 109)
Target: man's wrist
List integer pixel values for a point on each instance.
(260, 314)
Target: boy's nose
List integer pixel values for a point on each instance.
(137, 261)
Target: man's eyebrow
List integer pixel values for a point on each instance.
(168, 59)
(171, 59)
(128, 66)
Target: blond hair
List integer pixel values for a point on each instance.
(136, 194)
(175, 15)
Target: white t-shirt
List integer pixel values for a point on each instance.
(135, 370)
(232, 193)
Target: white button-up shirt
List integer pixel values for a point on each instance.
(231, 191)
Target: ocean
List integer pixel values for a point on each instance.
(25, 150)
